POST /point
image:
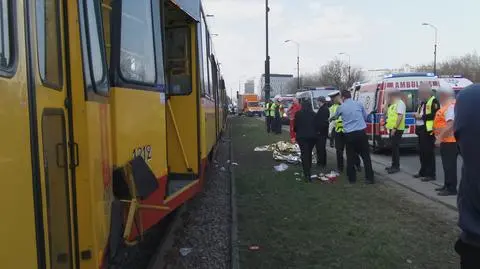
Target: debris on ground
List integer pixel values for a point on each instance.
(296, 173)
(254, 247)
(236, 164)
(298, 179)
(223, 169)
(185, 251)
(285, 152)
(281, 167)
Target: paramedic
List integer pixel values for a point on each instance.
(321, 126)
(306, 136)
(443, 129)
(426, 140)
(338, 133)
(354, 116)
(291, 113)
(467, 132)
(396, 126)
(269, 114)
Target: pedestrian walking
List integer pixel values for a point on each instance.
(277, 119)
(467, 132)
(306, 136)
(424, 129)
(321, 124)
(443, 129)
(354, 118)
(291, 113)
(395, 126)
(338, 133)
(269, 114)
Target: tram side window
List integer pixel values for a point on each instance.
(48, 43)
(6, 43)
(179, 68)
(137, 56)
(93, 55)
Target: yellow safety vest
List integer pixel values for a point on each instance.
(338, 122)
(428, 111)
(270, 110)
(392, 117)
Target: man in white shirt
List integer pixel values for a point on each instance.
(396, 126)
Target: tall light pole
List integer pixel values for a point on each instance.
(434, 46)
(267, 60)
(349, 65)
(298, 60)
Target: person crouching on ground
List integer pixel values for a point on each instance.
(443, 129)
(304, 127)
(291, 113)
(321, 125)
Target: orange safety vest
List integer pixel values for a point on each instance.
(439, 123)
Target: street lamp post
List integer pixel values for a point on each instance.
(349, 65)
(434, 46)
(298, 61)
(267, 60)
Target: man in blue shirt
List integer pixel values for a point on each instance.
(354, 116)
(467, 133)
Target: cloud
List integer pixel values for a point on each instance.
(241, 28)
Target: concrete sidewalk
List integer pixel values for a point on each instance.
(405, 179)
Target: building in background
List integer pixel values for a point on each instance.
(278, 84)
(250, 86)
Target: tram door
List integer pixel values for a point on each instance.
(52, 100)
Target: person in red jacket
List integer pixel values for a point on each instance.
(291, 114)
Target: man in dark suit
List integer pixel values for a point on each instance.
(321, 126)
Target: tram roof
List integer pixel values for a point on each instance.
(191, 7)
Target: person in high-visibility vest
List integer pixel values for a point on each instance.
(339, 134)
(396, 126)
(424, 129)
(443, 129)
(277, 117)
(269, 114)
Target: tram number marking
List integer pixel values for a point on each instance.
(145, 152)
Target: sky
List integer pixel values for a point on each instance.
(375, 33)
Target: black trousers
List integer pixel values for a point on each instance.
(321, 150)
(306, 148)
(357, 144)
(269, 120)
(332, 137)
(340, 142)
(469, 255)
(277, 125)
(449, 153)
(395, 143)
(426, 147)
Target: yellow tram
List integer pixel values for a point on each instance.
(96, 98)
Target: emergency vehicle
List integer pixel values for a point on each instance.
(312, 94)
(456, 82)
(374, 97)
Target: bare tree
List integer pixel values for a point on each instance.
(467, 65)
(339, 74)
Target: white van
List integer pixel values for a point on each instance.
(312, 95)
